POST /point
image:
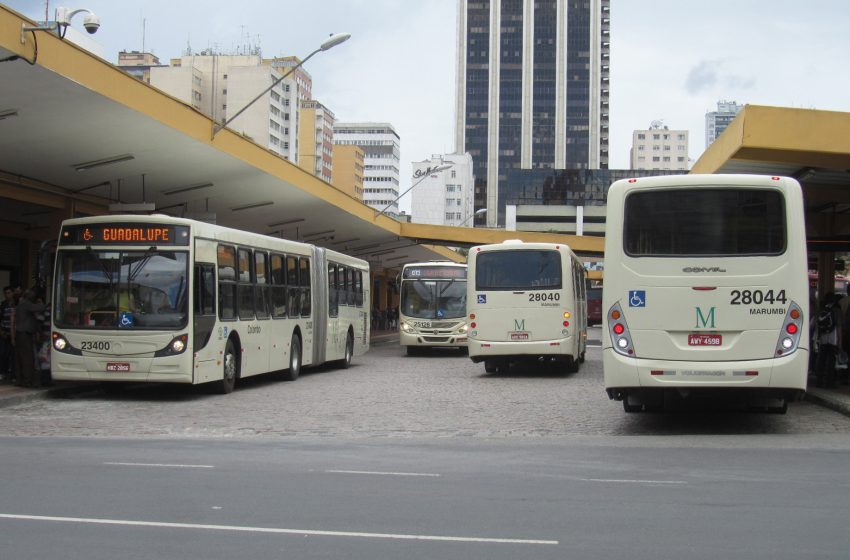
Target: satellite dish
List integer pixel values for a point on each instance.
(656, 123)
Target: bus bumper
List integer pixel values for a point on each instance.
(480, 351)
(624, 375)
(435, 340)
(159, 370)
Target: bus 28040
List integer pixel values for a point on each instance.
(526, 304)
(705, 290)
(170, 300)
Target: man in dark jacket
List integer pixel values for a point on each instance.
(27, 326)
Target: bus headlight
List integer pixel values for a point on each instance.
(61, 344)
(175, 347)
(406, 328)
(463, 329)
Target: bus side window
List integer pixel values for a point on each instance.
(227, 282)
(358, 288)
(246, 284)
(304, 275)
(293, 294)
(261, 290)
(278, 287)
(349, 285)
(204, 289)
(333, 300)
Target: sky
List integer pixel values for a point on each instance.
(671, 60)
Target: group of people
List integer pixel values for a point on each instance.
(384, 319)
(22, 319)
(830, 331)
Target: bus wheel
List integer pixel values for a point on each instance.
(493, 366)
(412, 351)
(571, 365)
(781, 409)
(294, 370)
(349, 352)
(228, 380)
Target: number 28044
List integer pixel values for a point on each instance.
(757, 297)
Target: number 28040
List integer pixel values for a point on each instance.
(545, 296)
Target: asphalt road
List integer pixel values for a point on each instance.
(458, 498)
(424, 457)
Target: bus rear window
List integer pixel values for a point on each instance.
(704, 222)
(518, 270)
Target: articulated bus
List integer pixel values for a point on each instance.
(526, 302)
(705, 290)
(170, 300)
(432, 309)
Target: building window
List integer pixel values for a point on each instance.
(641, 136)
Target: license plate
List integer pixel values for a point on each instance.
(118, 366)
(519, 336)
(705, 340)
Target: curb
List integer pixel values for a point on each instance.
(828, 400)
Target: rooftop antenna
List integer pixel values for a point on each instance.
(143, 34)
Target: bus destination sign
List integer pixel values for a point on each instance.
(125, 234)
(434, 273)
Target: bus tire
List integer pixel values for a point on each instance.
(412, 350)
(294, 370)
(781, 409)
(494, 366)
(345, 362)
(230, 370)
(631, 408)
(571, 365)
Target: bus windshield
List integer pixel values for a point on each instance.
(428, 299)
(518, 270)
(121, 289)
(704, 222)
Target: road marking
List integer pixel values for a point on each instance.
(161, 465)
(633, 481)
(384, 473)
(237, 528)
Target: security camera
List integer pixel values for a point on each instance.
(91, 23)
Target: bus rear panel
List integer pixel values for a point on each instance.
(705, 290)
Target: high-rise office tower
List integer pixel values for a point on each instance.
(532, 90)
(717, 121)
(381, 146)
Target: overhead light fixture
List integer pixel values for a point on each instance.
(346, 241)
(805, 173)
(317, 233)
(8, 113)
(388, 251)
(397, 258)
(251, 206)
(364, 247)
(287, 222)
(187, 189)
(101, 162)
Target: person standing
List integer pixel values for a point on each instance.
(26, 327)
(7, 350)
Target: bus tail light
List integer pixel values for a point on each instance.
(618, 329)
(792, 330)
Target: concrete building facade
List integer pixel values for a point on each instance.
(445, 197)
(315, 137)
(381, 146)
(659, 148)
(532, 90)
(348, 170)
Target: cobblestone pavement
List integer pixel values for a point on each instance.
(387, 394)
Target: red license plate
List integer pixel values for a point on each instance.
(705, 340)
(118, 366)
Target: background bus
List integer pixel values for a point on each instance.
(154, 298)
(432, 305)
(526, 303)
(705, 290)
(594, 302)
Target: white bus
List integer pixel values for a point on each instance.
(161, 299)
(526, 302)
(432, 305)
(705, 290)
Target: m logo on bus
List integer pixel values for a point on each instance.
(703, 320)
(519, 325)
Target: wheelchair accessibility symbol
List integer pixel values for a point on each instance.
(126, 320)
(482, 298)
(637, 298)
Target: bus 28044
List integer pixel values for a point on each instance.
(170, 300)
(705, 290)
(526, 304)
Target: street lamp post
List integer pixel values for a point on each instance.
(422, 176)
(476, 213)
(333, 41)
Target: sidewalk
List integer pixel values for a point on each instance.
(837, 398)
